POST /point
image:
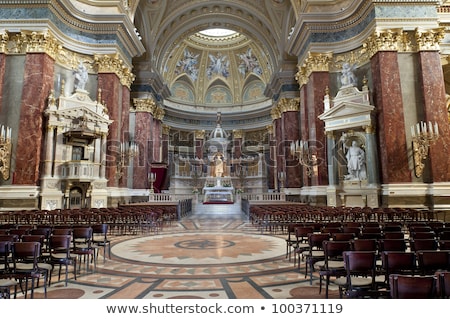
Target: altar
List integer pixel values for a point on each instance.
(218, 190)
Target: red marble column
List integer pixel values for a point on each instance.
(304, 129)
(2, 77)
(142, 138)
(111, 88)
(125, 129)
(434, 102)
(291, 133)
(37, 83)
(389, 103)
(279, 150)
(156, 140)
(316, 87)
(271, 178)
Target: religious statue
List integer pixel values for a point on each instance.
(218, 166)
(356, 162)
(81, 76)
(348, 76)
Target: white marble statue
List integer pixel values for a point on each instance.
(356, 163)
(81, 76)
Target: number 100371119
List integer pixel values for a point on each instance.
(307, 308)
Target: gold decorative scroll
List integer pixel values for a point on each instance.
(144, 105)
(113, 64)
(429, 40)
(199, 134)
(288, 105)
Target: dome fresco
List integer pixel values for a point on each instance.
(213, 71)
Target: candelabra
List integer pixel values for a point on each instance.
(127, 151)
(422, 136)
(301, 151)
(281, 178)
(5, 151)
(151, 180)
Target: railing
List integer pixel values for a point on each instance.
(79, 170)
(263, 197)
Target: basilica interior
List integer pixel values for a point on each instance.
(220, 108)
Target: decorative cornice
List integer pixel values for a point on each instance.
(144, 105)
(113, 64)
(29, 42)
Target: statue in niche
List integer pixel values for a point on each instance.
(356, 163)
(81, 76)
(348, 76)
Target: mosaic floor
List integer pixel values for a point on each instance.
(214, 253)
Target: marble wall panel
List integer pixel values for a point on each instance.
(142, 137)
(291, 133)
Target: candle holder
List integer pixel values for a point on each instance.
(301, 151)
(5, 152)
(127, 151)
(151, 180)
(423, 136)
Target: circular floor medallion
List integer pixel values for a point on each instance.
(200, 248)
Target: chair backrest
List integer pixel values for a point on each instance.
(359, 263)
(11, 238)
(423, 235)
(443, 284)
(315, 240)
(344, 236)
(62, 231)
(430, 261)
(5, 250)
(60, 244)
(333, 249)
(82, 236)
(412, 287)
(392, 245)
(301, 233)
(393, 235)
(100, 229)
(423, 244)
(398, 262)
(359, 244)
(26, 252)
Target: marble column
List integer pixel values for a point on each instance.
(49, 149)
(434, 104)
(371, 156)
(237, 143)
(125, 131)
(290, 133)
(2, 77)
(144, 109)
(111, 88)
(37, 83)
(279, 158)
(333, 173)
(199, 142)
(304, 131)
(391, 133)
(315, 91)
(271, 165)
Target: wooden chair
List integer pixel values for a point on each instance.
(100, 239)
(25, 256)
(6, 280)
(83, 247)
(412, 287)
(291, 239)
(392, 245)
(398, 262)
(333, 263)
(423, 244)
(360, 279)
(301, 245)
(315, 252)
(60, 248)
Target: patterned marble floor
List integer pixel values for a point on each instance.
(213, 253)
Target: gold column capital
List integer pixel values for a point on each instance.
(165, 129)
(429, 40)
(113, 64)
(388, 40)
(269, 129)
(144, 105)
(159, 113)
(314, 62)
(288, 105)
(238, 133)
(199, 134)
